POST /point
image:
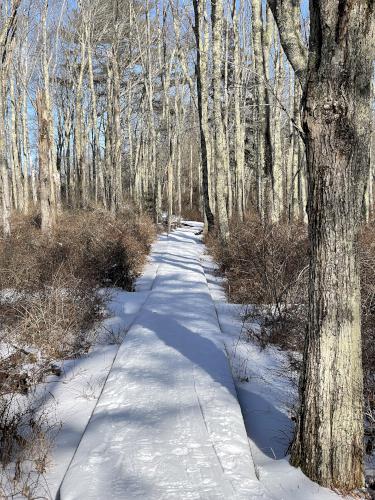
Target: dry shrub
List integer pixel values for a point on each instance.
(91, 246)
(26, 431)
(193, 213)
(266, 266)
(57, 320)
(26, 436)
(107, 251)
(49, 303)
(54, 279)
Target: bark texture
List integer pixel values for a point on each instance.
(44, 146)
(221, 168)
(202, 91)
(328, 444)
(287, 15)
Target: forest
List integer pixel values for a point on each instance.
(132, 129)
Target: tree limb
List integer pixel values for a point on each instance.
(9, 32)
(287, 17)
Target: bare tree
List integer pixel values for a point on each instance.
(201, 38)
(239, 126)
(219, 135)
(44, 145)
(335, 73)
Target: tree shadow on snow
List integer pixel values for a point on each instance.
(270, 429)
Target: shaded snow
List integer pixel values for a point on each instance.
(168, 423)
(158, 417)
(266, 396)
(72, 397)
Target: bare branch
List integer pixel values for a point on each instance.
(287, 16)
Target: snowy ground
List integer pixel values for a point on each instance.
(168, 423)
(158, 416)
(266, 395)
(74, 395)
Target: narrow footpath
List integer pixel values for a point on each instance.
(168, 424)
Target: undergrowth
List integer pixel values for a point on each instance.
(50, 302)
(266, 266)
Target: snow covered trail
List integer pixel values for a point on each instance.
(168, 424)
(266, 395)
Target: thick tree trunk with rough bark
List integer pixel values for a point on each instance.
(7, 34)
(328, 443)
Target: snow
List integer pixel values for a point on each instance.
(156, 413)
(266, 395)
(167, 423)
(72, 396)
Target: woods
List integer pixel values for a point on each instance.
(225, 111)
(337, 136)
(119, 77)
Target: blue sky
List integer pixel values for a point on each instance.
(304, 6)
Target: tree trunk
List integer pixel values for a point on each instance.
(55, 188)
(170, 180)
(26, 153)
(295, 171)
(289, 186)
(202, 91)
(6, 203)
(109, 141)
(256, 19)
(225, 115)
(16, 165)
(7, 36)
(97, 158)
(33, 185)
(130, 140)
(191, 186)
(80, 132)
(179, 120)
(369, 196)
(153, 186)
(328, 443)
(238, 122)
(44, 144)
(265, 110)
(262, 35)
(277, 190)
(117, 142)
(219, 139)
